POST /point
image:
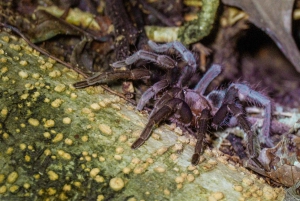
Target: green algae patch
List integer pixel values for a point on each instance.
(58, 143)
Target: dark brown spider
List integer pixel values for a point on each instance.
(189, 107)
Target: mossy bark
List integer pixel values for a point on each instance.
(58, 143)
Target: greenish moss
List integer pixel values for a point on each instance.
(55, 162)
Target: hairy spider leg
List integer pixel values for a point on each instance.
(163, 61)
(107, 77)
(207, 78)
(186, 55)
(151, 91)
(231, 104)
(202, 126)
(245, 93)
(174, 92)
(173, 106)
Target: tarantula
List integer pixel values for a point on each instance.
(188, 107)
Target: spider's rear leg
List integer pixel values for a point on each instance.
(164, 61)
(104, 78)
(245, 93)
(202, 126)
(174, 106)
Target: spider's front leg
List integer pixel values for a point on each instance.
(186, 55)
(202, 126)
(164, 61)
(174, 106)
(104, 78)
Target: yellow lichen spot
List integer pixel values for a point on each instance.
(118, 157)
(41, 192)
(95, 106)
(167, 192)
(5, 78)
(33, 122)
(52, 175)
(23, 74)
(231, 167)
(60, 88)
(86, 110)
(4, 70)
(238, 188)
(159, 169)
(173, 157)
(24, 96)
(57, 103)
(119, 150)
(269, 193)
(217, 196)
(126, 170)
(36, 75)
(178, 131)
(99, 179)
(247, 181)
(161, 150)
(190, 178)
(3, 59)
(94, 172)
(66, 156)
(47, 135)
(67, 187)
(23, 146)
(47, 152)
(55, 73)
(77, 184)
(23, 63)
(115, 106)
(101, 159)
(116, 183)
(100, 197)
(3, 189)
(5, 38)
(51, 191)
(58, 138)
(2, 177)
(9, 150)
(27, 158)
(26, 185)
(2, 51)
(102, 104)
(49, 123)
(212, 162)
(4, 112)
(150, 160)
(5, 135)
(14, 188)
(122, 138)
(67, 120)
(105, 129)
(48, 65)
(12, 177)
(85, 138)
(179, 179)
(88, 158)
(68, 141)
(73, 95)
(36, 176)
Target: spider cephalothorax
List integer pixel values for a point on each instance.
(189, 107)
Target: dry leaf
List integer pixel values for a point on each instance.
(274, 17)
